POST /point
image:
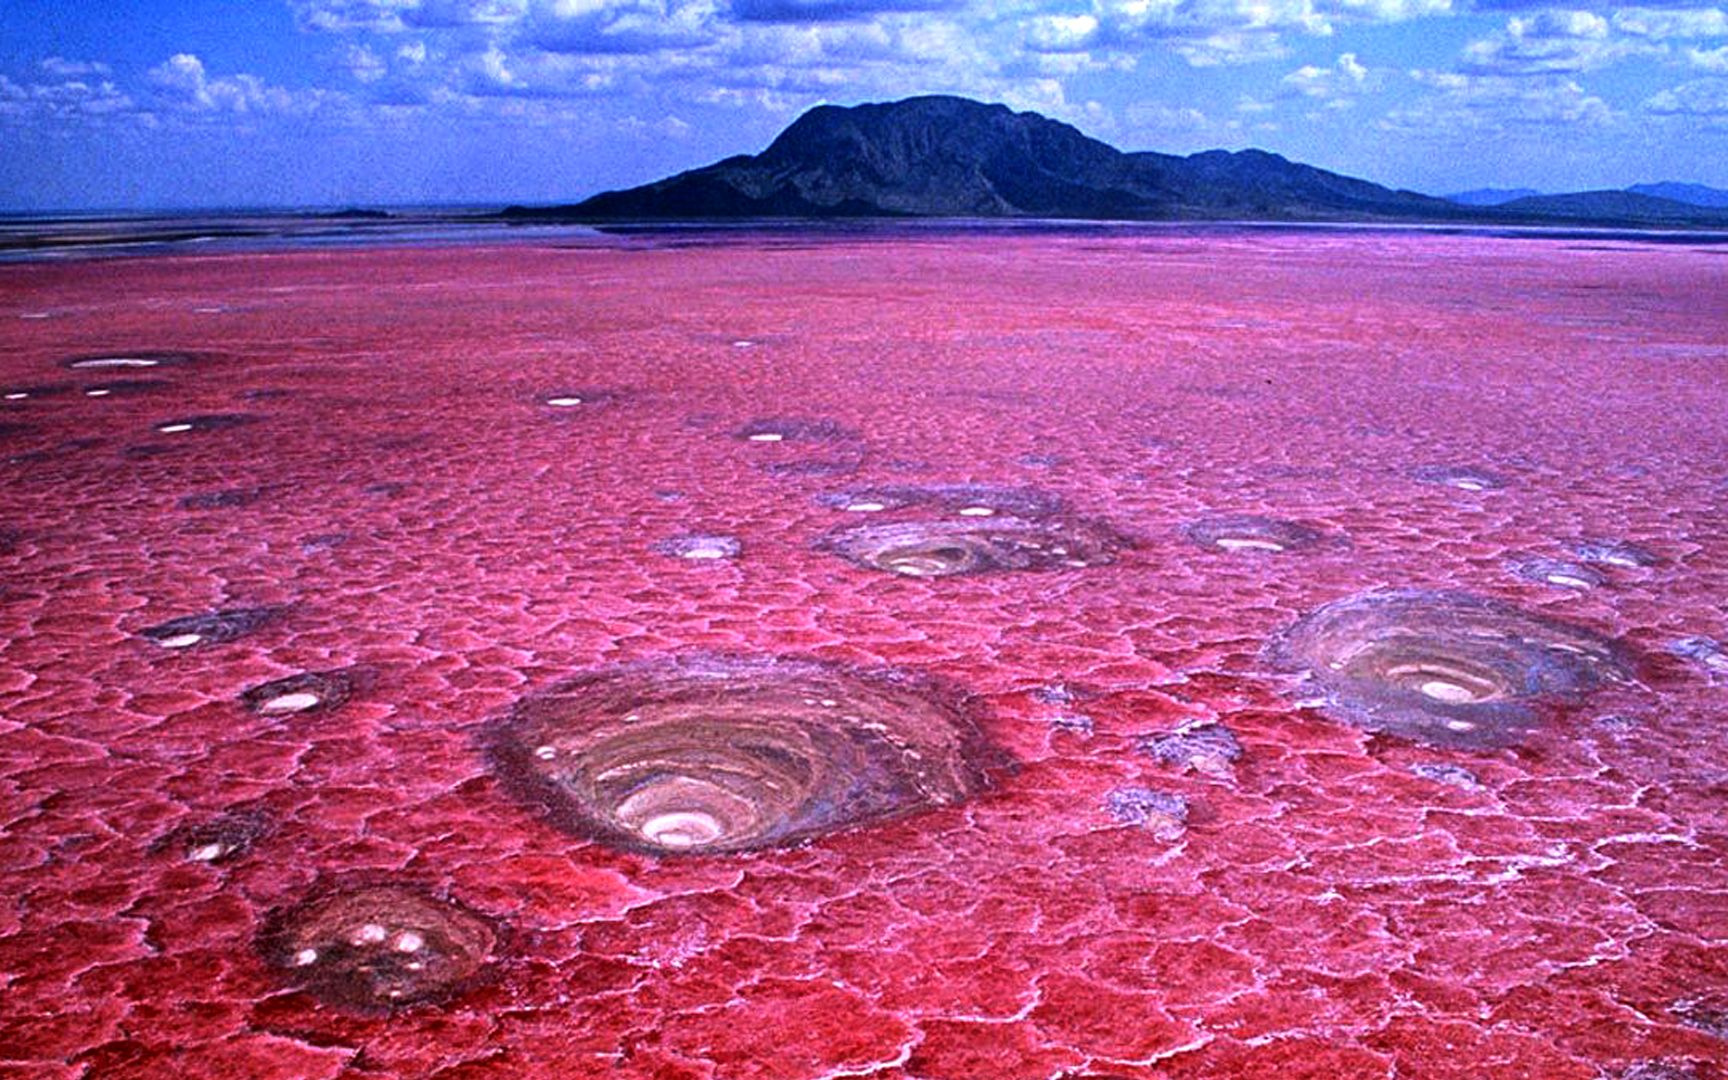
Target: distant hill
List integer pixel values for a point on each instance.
(1612, 206)
(953, 157)
(1692, 194)
(1490, 196)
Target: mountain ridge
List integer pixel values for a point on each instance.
(945, 156)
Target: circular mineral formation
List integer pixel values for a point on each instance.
(701, 547)
(210, 628)
(1461, 477)
(1618, 553)
(121, 388)
(127, 361)
(208, 422)
(723, 754)
(1250, 533)
(966, 500)
(1446, 668)
(216, 840)
(974, 545)
(28, 393)
(576, 398)
(793, 429)
(378, 947)
(1555, 572)
(309, 692)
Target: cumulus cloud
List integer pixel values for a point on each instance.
(1460, 102)
(1709, 59)
(831, 10)
(1338, 83)
(73, 69)
(619, 26)
(1550, 43)
(1700, 97)
(1210, 32)
(184, 86)
(1669, 23)
(67, 101)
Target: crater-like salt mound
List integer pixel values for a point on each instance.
(975, 545)
(721, 754)
(1250, 533)
(377, 947)
(1446, 668)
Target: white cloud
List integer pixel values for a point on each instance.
(1709, 59)
(1463, 102)
(1700, 97)
(619, 26)
(1337, 84)
(73, 69)
(184, 86)
(71, 100)
(1668, 23)
(1548, 43)
(364, 64)
(1061, 33)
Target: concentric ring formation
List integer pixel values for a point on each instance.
(981, 545)
(1250, 533)
(1448, 669)
(722, 754)
(968, 500)
(378, 947)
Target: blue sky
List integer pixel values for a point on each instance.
(223, 103)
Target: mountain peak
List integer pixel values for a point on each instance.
(940, 155)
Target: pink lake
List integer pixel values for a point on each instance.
(1253, 654)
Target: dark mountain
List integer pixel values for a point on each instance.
(1691, 194)
(1490, 196)
(1626, 206)
(952, 157)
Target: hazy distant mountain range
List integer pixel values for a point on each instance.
(1490, 196)
(953, 157)
(1686, 194)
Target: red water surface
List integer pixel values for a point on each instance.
(1335, 904)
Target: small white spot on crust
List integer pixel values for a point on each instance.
(865, 507)
(1449, 692)
(207, 852)
(976, 511)
(370, 934)
(704, 553)
(305, 956)
(295, 702)
(1460, 725)
(173, 429)
(1470, 485)
(1247, 543)
(180, 641)
(681, 828)
(1567, 580)
(545, 753)
(564, 402)
(117, 361)
(409, 941)
(98, 392)
(17, 396)
(767, 436)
